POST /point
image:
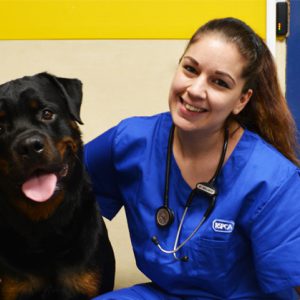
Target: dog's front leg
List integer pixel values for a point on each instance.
(83, 282)
(13, 288)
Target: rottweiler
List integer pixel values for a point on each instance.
(53, 241)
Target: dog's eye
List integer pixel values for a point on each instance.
(47, 115)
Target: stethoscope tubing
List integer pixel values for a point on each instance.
(177, 248)
(168, 166)
(207, 188)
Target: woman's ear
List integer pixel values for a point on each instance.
(245, 97)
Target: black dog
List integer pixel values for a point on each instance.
(53, 242)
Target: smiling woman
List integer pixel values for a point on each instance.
(229, 130)
(210, 69)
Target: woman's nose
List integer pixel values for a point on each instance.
(198, 88)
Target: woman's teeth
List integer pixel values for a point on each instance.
(192, 108)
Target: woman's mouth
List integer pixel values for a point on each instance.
(192, 108)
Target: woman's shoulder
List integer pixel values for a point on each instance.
(266, 157)
(145, 120)
(142, 126)
(262, 175)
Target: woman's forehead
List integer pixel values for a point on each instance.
(213, 51)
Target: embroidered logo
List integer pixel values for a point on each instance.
(223, 226)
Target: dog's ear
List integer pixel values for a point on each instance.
(71, 90)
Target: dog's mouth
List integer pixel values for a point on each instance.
(41, 184)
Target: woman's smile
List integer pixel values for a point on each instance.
(192, 110)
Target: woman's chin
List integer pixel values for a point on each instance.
(185, 124)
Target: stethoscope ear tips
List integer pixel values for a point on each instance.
(184, 258)
(155, 240)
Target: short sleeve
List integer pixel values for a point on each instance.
(275, 238)
(98, 158)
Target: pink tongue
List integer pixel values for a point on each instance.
(40, 188)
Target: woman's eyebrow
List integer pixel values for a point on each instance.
(192, 59)
(226, 75)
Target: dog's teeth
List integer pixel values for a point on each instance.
(64, 171)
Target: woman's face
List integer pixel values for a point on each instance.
(207, 86)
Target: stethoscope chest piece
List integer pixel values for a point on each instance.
(164, 216)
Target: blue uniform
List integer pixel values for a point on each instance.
(248, 248)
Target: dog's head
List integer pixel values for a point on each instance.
(39, 139)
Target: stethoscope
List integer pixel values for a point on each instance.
(165, 216)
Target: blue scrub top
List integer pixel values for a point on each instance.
(248, 248)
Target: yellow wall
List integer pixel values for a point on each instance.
(120, 19)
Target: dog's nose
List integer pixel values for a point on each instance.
(33, 145)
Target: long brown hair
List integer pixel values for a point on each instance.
(267, 112)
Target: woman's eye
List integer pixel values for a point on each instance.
(190, 69)
(221, 83)
(47, 115)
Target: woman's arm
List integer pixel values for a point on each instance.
(99, 161)
(298, 289)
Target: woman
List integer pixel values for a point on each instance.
(228, 147)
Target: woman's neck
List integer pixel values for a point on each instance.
(196, 144)
(197, 154)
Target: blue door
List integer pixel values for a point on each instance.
(293, 62)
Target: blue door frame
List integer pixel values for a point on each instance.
(293, 62)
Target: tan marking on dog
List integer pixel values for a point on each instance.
(11, 288)
(73, 124)
(86, 282)
(62, 145)
(39, 211)
(33, 103)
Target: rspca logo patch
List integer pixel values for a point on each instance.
(223, 226)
